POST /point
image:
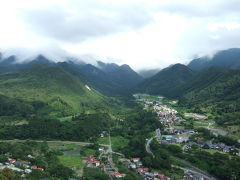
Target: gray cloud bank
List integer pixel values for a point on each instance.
(82, 20)
(142, 33)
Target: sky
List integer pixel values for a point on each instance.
(142, 33)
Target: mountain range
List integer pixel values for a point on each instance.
(108, 78)
(229, 58)
(62, 89)
(68, 87)
(205, 86)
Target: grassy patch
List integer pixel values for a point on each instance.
(71, 161)
(67, 118)
(173, 173)
(117, 142)
(103, 140)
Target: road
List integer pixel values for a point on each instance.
(65, 142)
(195, 172)
(158, 134)
(148, 148)
(195, 169)
(109, 166)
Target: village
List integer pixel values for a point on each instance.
(22, 167)
(169, 118)
(134, 164)
(172, 134)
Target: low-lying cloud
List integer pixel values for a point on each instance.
(141, 33)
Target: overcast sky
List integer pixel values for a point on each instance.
(141, 33)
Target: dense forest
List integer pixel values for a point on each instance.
(83, 127)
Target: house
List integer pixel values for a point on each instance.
(118, 175)
(135, 160)
(30, 156)
(132, 166)
(22, 164)
(226, 149)
(142, 170)
(139, 164)
(96, 163)
(149, 175)
(93, 161)
(27, 171)
(12, 160)
(40, 169)
(34, 167)
(91, 156)
(161, 176)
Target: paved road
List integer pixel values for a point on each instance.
(195, 169)
(148, 148)
(158, 133)
(195, 172)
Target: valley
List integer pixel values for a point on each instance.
(105, 121)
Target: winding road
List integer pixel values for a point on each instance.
(148, 148)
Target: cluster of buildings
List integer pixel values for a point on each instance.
(209, 145)
(136, 164)
(92, 161)
(167, 116)
(23, 167)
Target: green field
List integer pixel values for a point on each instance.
(71, 161)
(117, 142)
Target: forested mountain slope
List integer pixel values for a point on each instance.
(167, 81)
(53, 86)
(229, 58)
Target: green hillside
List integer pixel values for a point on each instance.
(214, 90)
(167, 81)
(53, 86)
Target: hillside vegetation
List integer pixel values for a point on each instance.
(167, 81)
(214, 90)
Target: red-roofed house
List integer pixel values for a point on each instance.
(91, 156)
(93, 161)
(12, 160)
(161, 176)
(34, 167)
(118, 175)
(40, 169)
(135, 160)
(141, 170)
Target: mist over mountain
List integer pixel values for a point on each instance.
(109, 78)
(120, 89)
(229, 58)
(167, 80)
(107, 67)
(147, 73)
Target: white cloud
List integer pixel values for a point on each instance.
(142, 33)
